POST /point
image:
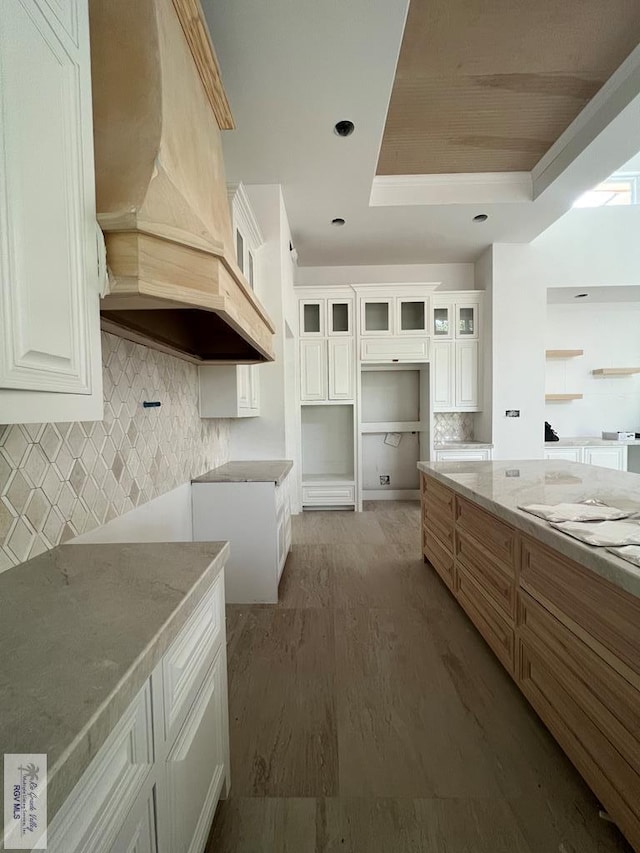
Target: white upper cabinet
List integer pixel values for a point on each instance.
(412, 315)
(312, 317)
(401, 315)
(340, 317)
(376, 316)
(442, 320)
(247, 234)
(50, 366)
(467, 321)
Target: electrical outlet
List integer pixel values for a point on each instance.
(385, 480)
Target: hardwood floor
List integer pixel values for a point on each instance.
(368, 716)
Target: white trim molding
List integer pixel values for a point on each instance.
(470, 188)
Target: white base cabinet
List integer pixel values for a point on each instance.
(259, 533)
(606, 456)
(154, 785)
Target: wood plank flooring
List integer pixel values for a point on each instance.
(368, 716)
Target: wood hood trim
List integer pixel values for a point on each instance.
(192, 21)
(160, 185)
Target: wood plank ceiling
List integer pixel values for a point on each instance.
(489, 85)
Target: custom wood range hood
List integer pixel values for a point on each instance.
(159, 107)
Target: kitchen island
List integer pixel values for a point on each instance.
(561, 616)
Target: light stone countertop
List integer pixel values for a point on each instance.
(81, 629)
(462, 445)
(589, 441)
(500, 487)
(249, 471)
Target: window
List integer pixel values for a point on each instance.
(620, 189)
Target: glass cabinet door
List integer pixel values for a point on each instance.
(442, 322)
(376, 317)
(339, 317)
(312, 317)
(412, 315)
(467, 321)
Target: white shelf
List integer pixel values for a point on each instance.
(347, 479)
(392, 426)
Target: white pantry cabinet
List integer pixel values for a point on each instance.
(455, 330)
(50, 247)
(327, 370)
(154, 785)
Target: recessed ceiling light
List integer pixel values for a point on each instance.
(337, 221)
(580, 295)
(481, 217)
(344, 128)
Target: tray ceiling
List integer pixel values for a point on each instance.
(490, 86)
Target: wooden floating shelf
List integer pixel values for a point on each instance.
(559, 398)
(563, 353)
(615, 371)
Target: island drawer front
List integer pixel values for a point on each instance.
(497, 585)
(92, 815)
(441, 560)
(490, 623)
(602, 614)
(497, 538)
(190, 656)
(440, 525)
(609, 699)
(440, 494)
(612, 779)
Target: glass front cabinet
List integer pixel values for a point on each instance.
(402, 315)
(455, 320)
(326, 317)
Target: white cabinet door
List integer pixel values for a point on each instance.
(466, 357)
(195, 766)
(49, 303)
(312, 317)
(138, 834)
(442, 319)
(569, 454)
(412, 315)
(443, 376)
(340, 317)
(341, 370)
(376, 316)
(248, 393)
(606, 457)
(313, 370)
(467, 317)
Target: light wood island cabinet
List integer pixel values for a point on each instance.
(569, 637)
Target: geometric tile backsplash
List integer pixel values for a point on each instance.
(58, 480)
(453, 426)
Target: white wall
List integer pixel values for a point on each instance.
(587, 247)
(609, 334)
(519, 316)
(451, 276)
